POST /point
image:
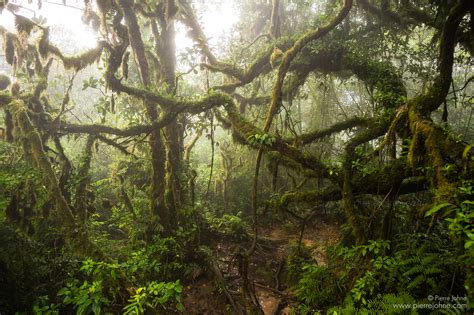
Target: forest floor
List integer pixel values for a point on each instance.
(267, 268)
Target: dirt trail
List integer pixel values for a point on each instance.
(318, 234)
(202, 297)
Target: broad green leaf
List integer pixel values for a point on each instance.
(437, 208)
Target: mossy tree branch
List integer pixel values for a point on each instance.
(192, 106)
(316, 135)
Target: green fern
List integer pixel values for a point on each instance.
(423, 269)
(381, 304)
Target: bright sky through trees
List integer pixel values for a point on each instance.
(215, 20)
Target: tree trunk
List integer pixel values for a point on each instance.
(166, 49)
(157, 193)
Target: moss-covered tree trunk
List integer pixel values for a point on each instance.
(157, 149)
(30, 135)
(166, 49)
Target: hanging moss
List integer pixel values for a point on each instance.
(23, 24)
(77, 62)
(9, 48)
(90, 17)
(81, 61)
(103, 6)
(43, 44)
(435, 143)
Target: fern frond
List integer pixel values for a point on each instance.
(415, 283)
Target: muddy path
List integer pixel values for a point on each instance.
(320, 233)
(267, 269)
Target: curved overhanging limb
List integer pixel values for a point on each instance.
(316, 135)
